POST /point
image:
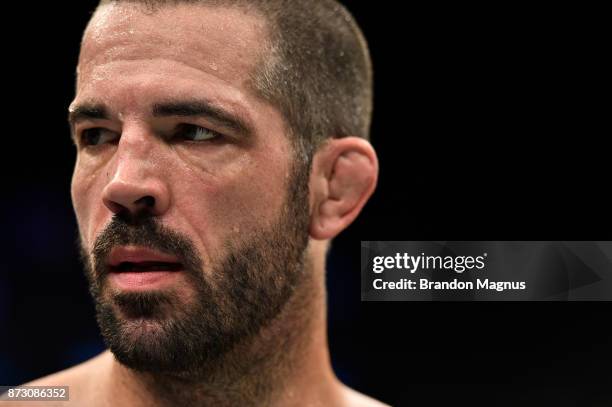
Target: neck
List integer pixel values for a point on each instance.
(286, 364)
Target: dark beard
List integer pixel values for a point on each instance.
(162, 332)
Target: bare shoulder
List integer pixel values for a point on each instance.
(80, 380)
(353, 398)
(78, 375)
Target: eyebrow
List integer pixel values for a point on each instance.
(87, 111)
(200, 108)
(186, 108)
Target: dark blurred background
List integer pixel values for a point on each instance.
(491, 123)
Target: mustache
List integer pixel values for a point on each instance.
(146, 232)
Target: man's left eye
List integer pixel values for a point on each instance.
(196, 133)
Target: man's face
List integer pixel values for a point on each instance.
(177, 155)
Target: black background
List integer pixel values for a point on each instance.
(490, 122)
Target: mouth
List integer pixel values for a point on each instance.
(140, 268)
(144, 267)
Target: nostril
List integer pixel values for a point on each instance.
(147, 201)
(115, 207)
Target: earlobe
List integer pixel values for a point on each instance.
(345, 172)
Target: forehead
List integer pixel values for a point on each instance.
(222, 43)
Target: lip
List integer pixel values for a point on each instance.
(140, 268)
(142, 281)
(136, 254)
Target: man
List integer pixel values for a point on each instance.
(221, 145)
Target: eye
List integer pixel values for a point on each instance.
(97, 135)
(196, 133)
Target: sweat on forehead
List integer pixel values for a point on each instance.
(226, 42)
(311, 60)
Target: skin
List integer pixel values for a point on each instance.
(210, 191)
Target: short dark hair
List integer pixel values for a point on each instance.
(316, 69)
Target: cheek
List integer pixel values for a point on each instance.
(233, 204)
(78, 192)
(258, 194)
(82, 191)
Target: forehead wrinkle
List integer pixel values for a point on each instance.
(135, 32)
(227, 44)
(134, 35)
(232, 98)
(99, 66)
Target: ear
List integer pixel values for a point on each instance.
(343, 177)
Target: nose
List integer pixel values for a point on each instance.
(136, 184)
(122, 197)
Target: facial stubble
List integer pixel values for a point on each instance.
(233, 299)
